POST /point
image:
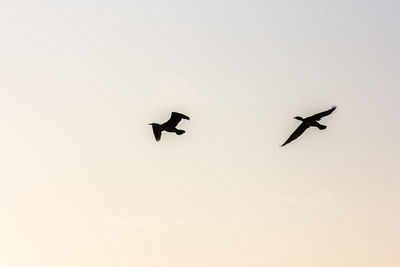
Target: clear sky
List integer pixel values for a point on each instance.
(84, 184)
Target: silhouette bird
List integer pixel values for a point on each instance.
(169, 126)
(308, 122)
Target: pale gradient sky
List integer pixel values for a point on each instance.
(84, 184)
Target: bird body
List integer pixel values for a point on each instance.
(169, 126)
(308, 122)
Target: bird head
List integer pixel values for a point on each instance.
(299, 118)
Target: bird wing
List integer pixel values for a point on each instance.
(157, 132)
(175, 119)
(322, 114)
(299, 131)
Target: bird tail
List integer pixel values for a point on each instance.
(179, 132)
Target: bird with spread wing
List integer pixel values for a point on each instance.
(169, 126)
(311, 121)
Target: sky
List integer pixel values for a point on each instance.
(83, 182)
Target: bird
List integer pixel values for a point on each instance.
(311, 121)
(169, 126)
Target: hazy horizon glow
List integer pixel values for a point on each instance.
(84, 184)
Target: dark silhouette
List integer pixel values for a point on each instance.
(169, 126)
(308, 122)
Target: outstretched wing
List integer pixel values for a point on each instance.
(318, 116)
(175, 119)
(157, 132)
(299, 131)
